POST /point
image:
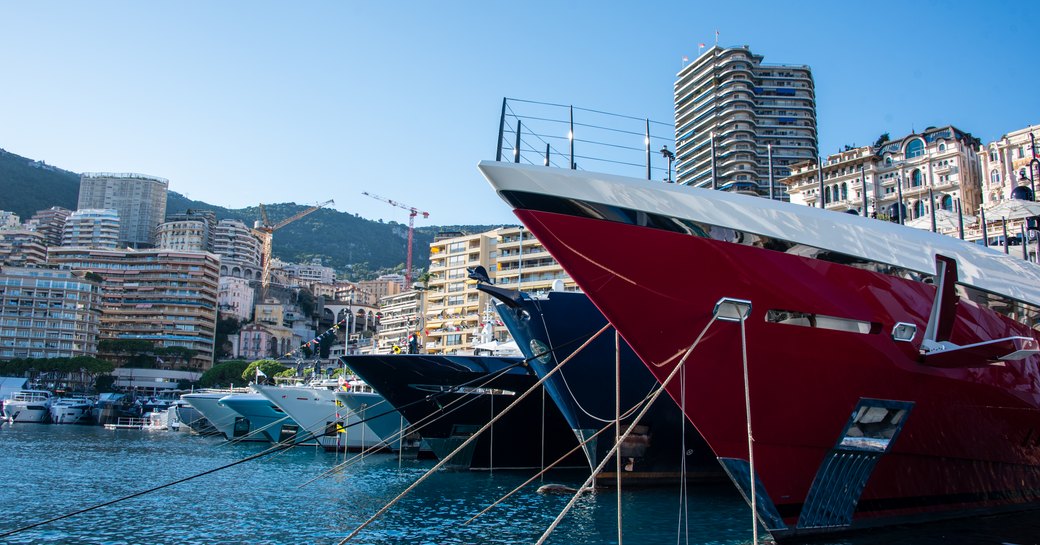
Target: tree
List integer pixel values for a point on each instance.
(881, 140)
(226, 326)
(228, 372)
(268, 367)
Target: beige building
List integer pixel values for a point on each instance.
(1012, 160)
(523, 264)
(22, 248)
(941, 159)
(185, 235)
(163, 296)
(380, 288)
(455, 309)
(47, 313)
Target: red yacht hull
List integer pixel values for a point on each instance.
(968, 441)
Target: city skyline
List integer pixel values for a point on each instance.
(240, 103)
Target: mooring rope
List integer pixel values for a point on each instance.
(656, 394)
(271, 450)
(559, 460)
(617, 424)
(470, 439)
(750, 437)
(441, 412)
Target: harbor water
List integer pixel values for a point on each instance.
(50, 470)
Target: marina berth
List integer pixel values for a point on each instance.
(550, 329)
(264, 416)
(28, 406)
(72, 410)
(860, 373)
(379, 415)
(321, 418)
(449, 398)
(231, 425)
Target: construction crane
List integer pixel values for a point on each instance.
(264, 231)
(412, 212)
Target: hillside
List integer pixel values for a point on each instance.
(359, 247)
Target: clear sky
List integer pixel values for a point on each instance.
(238, 102)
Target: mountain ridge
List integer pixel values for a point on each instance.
(350, 244)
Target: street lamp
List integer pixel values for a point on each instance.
(1019, 192)
(668, 155)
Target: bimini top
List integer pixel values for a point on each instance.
(864, 238)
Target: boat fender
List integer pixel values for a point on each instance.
(559, 489)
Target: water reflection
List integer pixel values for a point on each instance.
(52, 470)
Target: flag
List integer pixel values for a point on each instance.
(687, 59)
(260, 373)
(701, 45)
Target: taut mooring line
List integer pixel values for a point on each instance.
(472, 438)
(631, 427)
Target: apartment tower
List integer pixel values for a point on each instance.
(735, 116)
(139, 199)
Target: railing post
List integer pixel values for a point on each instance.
(646, 142)
(516, 150)
(570, 136)
(501, 130)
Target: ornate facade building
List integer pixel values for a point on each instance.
(943, 160)
(1010, 161)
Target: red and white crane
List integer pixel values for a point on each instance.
(412, 212)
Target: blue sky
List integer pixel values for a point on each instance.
(244, 102)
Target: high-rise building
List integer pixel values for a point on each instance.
(192, 214)
(188, 235)
(734, 116)
(163, 296)
(91, 228)
(139, 199)
(22, 248)
(238, 248)
(47, 313)
(455, 309)
(50, 223)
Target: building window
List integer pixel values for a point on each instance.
(994, 177)
(844, 194)
(914, 149)
(919, 209)
(947, 203)
(915, 177)
(993, 156)
(942, 146)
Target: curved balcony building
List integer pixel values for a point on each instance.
(747, 109)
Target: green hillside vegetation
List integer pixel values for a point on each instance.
(27, 186)
(358, 247)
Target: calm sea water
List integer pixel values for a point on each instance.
(48, 470)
